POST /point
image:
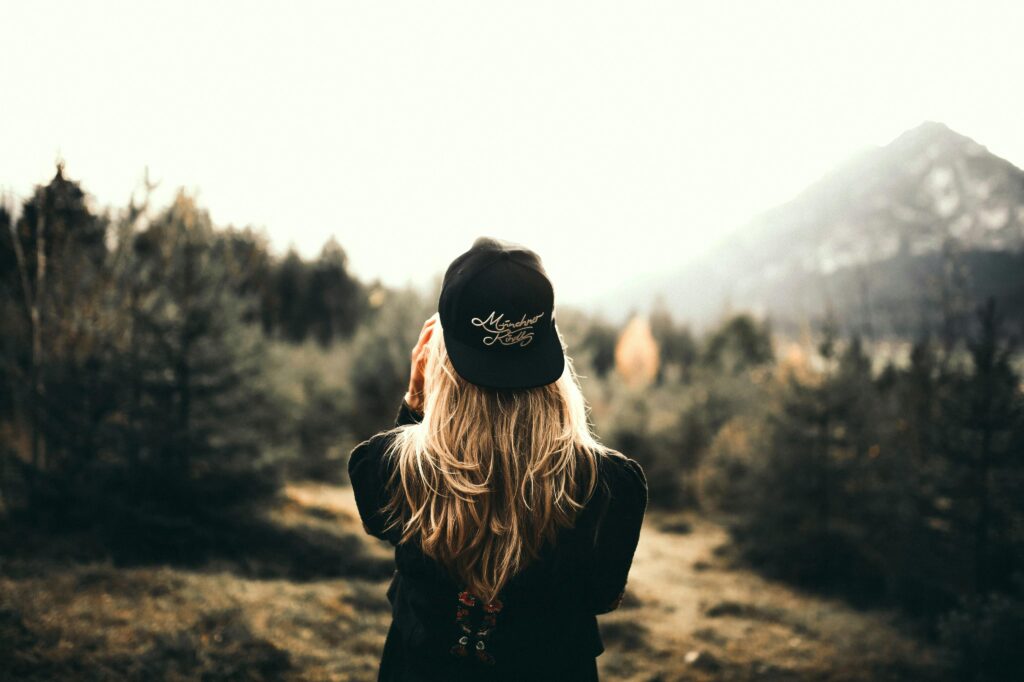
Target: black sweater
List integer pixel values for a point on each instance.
(546, 615)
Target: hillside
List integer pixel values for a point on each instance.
(901, 239)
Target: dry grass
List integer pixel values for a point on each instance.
(687, 616)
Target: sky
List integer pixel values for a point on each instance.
(617, 139)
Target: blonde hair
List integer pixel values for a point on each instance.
(489, 476)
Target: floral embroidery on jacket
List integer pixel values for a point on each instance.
(477, 632)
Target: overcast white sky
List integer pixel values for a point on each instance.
(616, 139)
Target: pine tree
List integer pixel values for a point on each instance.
(810, 514)
(51, 281)
(738, 344)
(675, 343)
(291, 321)
(983, 445)
(204, 408)
(334, 299)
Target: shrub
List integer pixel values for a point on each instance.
(983, 638)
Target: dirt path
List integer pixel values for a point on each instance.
(702, 620)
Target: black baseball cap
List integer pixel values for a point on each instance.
(497, 315)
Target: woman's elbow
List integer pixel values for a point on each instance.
(607, 606)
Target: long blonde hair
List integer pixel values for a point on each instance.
(489, 476)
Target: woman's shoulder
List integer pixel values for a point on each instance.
(621, 468)
(376, 448)
(378, 441)
(621, 489)
(620, 477)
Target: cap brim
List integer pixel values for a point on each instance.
(520, 368)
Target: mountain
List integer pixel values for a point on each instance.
(899, 240)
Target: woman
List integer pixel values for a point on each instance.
(513, 527)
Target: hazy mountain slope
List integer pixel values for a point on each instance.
(899, 238)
